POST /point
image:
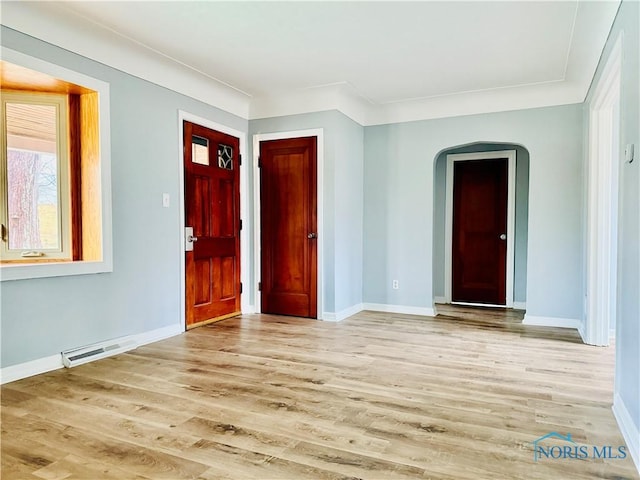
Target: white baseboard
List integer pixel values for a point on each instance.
(630, 431)
(583, 334)
(158, 334)
(403, 309)
(29, 369)
(342, 314)
(54, 362)
(551, 321)
(439, 300)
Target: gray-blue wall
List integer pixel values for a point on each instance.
(42, 317)
(399, 216)
(628, 305)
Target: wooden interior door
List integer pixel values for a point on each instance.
(212, 209)
(479, 250)
(288, 225)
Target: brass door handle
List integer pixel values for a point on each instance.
(312, 235)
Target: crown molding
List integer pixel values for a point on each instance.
(341, 97)
(53, 24)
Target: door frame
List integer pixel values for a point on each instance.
(244, 202)
(262, 137)
(603, 171)
(510, 155)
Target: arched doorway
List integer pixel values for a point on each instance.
(515, 270)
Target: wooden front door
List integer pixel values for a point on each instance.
(479, 231)
(212, 209)
(288, 227)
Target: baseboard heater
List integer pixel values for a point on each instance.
(78, 356)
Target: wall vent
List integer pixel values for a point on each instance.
(78, 356)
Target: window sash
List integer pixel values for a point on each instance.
(64, 250)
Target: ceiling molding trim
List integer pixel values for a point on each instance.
(339, 97)
(52, 24)
(474, 103)
(594, 21)
(366, 114)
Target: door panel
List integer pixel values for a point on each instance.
(479, 220)
(212, 208)
(288, 207)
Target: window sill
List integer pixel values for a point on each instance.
(25, 271)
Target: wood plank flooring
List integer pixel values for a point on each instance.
(377, 396)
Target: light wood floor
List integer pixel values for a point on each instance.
(378, 396)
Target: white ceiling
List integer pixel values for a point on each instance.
(383, 61)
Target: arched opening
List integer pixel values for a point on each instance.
(441, 261)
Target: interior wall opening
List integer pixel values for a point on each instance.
(440, 277)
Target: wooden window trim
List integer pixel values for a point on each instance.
(92, 249)
(75, 176)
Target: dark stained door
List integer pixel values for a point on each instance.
(212, 204)
(479, 250)
(288, 227)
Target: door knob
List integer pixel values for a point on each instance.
(503, 236)
(312, 235)
(189, 239)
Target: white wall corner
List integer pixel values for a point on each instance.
(402, 309)
(551, 321)
(630, 431)
(342, 314)
(583, 334)
(340, 96)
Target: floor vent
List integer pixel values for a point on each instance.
(78, 356)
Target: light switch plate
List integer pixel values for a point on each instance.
(629, 152)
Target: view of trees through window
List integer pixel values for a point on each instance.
(32, 177)
(33, 200)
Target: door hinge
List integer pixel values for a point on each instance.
(259, 162)
(240, 224)
(239, 160)
(3, 233)
(259, 286)
(240, 287)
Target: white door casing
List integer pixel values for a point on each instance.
(602, 202)
(510, 155)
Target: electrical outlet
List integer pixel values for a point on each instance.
(395, 284)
